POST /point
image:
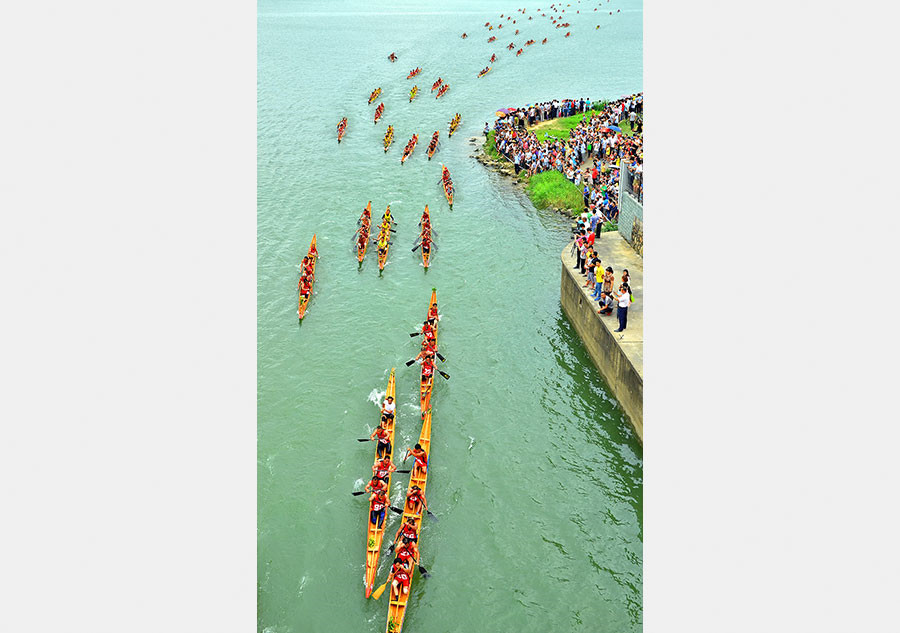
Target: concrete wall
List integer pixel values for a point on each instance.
(629, 210)
(626, 383)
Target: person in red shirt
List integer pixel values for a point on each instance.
(415, 500)
(375, 484)
(427, 370)
(401, 577)
(304, 286)
(408, 553)
(383, 467)
(378, 503)
(407, 532)
(383, 438)
(421, 467)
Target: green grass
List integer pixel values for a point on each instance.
(599, 106)
(490, 146)
(625, 126)
(560, 127)
(609, 227)
(552, 189)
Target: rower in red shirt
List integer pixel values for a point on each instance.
(408, 553)
(383, 437)
(401, 577)
(427, 370)
(407, 532)
(305, 286)
(383, 467)
(375, 484)
(415, 500)
(421, 466)
(377, 504)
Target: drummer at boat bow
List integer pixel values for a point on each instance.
(388, 408)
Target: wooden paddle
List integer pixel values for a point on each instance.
(377, 593)
(438, 354)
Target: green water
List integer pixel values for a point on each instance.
(536, 475)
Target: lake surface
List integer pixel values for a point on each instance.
(536, 475)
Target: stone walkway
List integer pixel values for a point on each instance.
(615, 252)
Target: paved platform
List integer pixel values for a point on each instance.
(614, 251)
(618, 355)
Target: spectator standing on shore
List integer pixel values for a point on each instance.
(624, 298)
(578, 243)
(608, 279)
(486, 128)
(584, 254)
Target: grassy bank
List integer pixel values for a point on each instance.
(490, 146)
(559, 128)
(552, 189)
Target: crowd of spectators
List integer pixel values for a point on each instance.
(599, 280)
(592, 155)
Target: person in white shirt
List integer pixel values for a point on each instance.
(624, 299)
(388, 407)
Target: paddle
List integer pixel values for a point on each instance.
(438, 354)
(364, 439)
(356, 494)
(377, 593)
(445, 375)
(424, 572)
(399, 511)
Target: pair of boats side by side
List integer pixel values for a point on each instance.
(398, 600)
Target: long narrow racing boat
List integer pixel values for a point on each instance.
(432, 146)
(413, 73)
(388, 138)
(384, 234)
(413, 92)
(447, 183)
(374, 95)
(342, 127)
(426, 237)
(484, 72)
(365, 224)
(436, 84)
(379, 111)
(375, 534)
(408, 150)
(425, 388)
(444, 88)
(454, 123)
(397, 604)
(304, 301)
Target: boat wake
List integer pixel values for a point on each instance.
(376, 397)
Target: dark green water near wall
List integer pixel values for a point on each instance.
(536, 474)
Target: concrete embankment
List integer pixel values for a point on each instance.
(618, 355)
